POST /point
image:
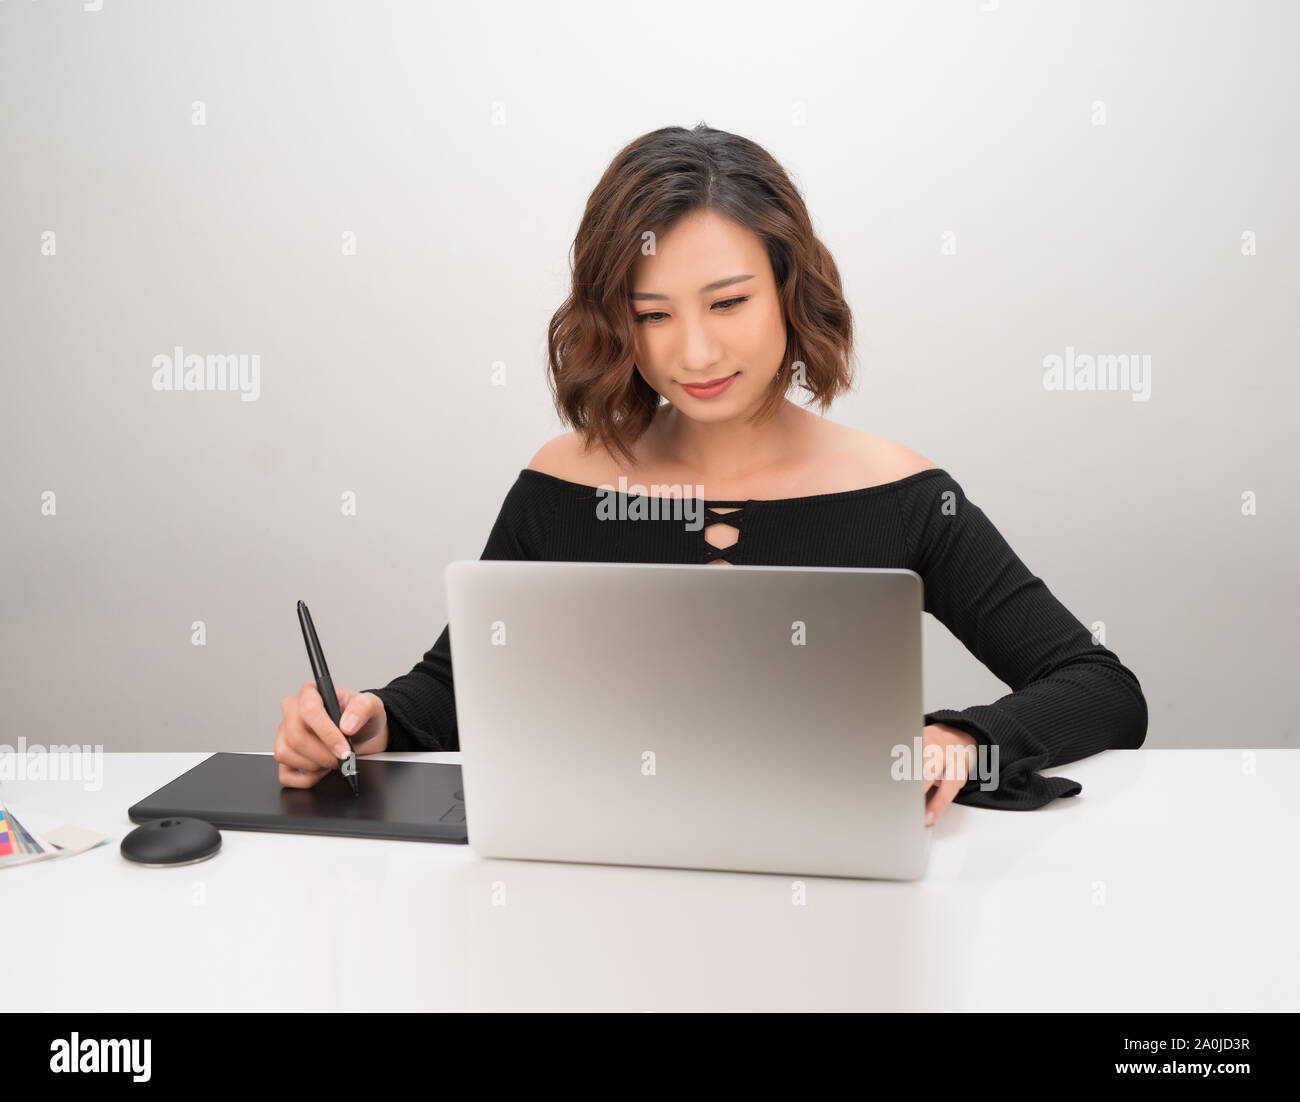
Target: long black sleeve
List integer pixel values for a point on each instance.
(1071, 697)
(421, 705)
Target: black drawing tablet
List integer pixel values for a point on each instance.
(406, 800)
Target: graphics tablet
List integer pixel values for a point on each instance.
(404, 800)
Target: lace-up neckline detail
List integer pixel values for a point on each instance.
(734, 516)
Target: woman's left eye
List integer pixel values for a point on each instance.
(729, 302)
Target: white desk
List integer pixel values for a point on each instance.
(1197, 860)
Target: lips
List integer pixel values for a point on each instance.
(712, 388)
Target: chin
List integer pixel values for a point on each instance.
(736, 407)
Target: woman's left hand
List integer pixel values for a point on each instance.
(941, 788)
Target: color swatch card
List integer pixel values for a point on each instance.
(9, 843)
(19, 846)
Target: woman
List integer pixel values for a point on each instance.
(701, 297)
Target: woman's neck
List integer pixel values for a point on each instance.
(728, 450)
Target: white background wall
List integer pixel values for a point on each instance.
(459, 143)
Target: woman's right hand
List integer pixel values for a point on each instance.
(307, 740)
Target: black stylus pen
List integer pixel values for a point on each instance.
(325, 687)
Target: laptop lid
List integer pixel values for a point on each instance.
(743, 718)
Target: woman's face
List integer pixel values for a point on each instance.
(705, 308)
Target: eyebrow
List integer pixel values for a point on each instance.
(703, 290)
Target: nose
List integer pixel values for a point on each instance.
(700, 352)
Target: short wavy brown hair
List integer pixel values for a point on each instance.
(651, 184)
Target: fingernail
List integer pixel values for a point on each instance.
(349, 724)
(341, 751)
(929, 818)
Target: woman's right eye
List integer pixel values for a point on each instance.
(653, 314)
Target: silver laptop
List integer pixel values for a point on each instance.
(742, 718)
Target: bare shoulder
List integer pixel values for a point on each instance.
(877, 459)
(897, 461)
(565, 457)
